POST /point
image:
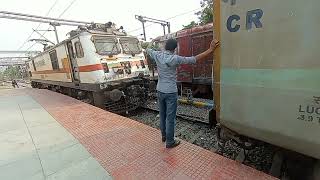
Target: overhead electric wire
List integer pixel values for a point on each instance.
(181, 14)
(49, 11)
(63, 12)
(62, 22)
(35, 17)
(67, 8)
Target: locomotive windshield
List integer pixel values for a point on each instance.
(130, 45)
(106, 45)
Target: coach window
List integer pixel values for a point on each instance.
(54, 60)
(79, 50)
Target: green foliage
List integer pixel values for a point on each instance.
(205, 16)
(155, 46)
(144, 45)
(192, 24)
(12, 72)
(1, 76)
(147, 45)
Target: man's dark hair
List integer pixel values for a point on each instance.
(171, 44)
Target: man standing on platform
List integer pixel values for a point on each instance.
(167, 63)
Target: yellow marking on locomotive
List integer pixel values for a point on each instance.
(114, 65)
(217, 54)
(66, 67)
(111, 58)
(195, 103)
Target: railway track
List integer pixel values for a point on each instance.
(192, 131)
(182, 116)
(186, 112)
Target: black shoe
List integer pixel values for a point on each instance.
(163, 139)
(175, 144)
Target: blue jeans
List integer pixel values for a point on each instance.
(168, 109)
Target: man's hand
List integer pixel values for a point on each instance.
(201, 57)
(214, 44)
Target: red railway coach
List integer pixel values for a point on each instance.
(191, 42)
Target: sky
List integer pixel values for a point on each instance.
(14, 33)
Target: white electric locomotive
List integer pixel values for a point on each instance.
(98, 64)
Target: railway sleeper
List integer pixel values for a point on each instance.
(124, 105)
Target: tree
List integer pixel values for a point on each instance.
(192, 24)
(145, 45)
(205, 15)
(1, 76)
(12, 72)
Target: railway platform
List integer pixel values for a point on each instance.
(46, 135)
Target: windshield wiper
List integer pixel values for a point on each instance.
(113, 48)
(129, 49)
(111, 52)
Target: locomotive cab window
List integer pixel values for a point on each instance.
(130, 45)
(79, 50)
(54, 60)
(106, 45)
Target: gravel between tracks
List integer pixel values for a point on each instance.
(199, 134)
(194, 132)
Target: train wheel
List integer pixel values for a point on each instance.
(297, 167)
(277, 164)
(212, 118)
(316, 170)
(33, 85)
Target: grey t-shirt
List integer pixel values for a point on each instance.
(167, 63)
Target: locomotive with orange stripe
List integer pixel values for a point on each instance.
(98, 64)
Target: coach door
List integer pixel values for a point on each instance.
(73, 62)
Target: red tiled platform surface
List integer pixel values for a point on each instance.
(130, 150)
